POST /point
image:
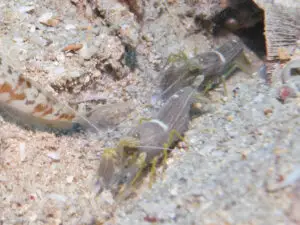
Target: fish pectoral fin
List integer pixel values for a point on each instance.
(104, 116)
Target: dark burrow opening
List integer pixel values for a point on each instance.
(246, 20)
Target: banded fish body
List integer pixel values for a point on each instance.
(25, 102)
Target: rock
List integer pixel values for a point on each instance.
(87, 52)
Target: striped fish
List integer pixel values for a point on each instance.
(25, 102)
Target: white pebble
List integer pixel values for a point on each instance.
(59, 70)
(45, 17)
(32, 29)
(174, 191)
(70, 27)
(54, 156)
(70, 179)
(22, 151)
(18, 40)
(26, 9)
(57, 197)
(87, 52)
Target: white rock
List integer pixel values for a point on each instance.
(70, 27)
(70, 179)
(57, 197)
(87, 52)
(38, 40)
(54, 156)
(59, 70)
(259, 98)
(32, 29)
(18, 40)
(26, 9)
(174, 191)
(74, 74)
(60, 57)
(22, 151)
(45, 17)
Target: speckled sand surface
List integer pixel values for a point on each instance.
(235, 153)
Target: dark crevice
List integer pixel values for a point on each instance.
(245, 20)
(254, 38)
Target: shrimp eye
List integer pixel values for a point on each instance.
(136, 135)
